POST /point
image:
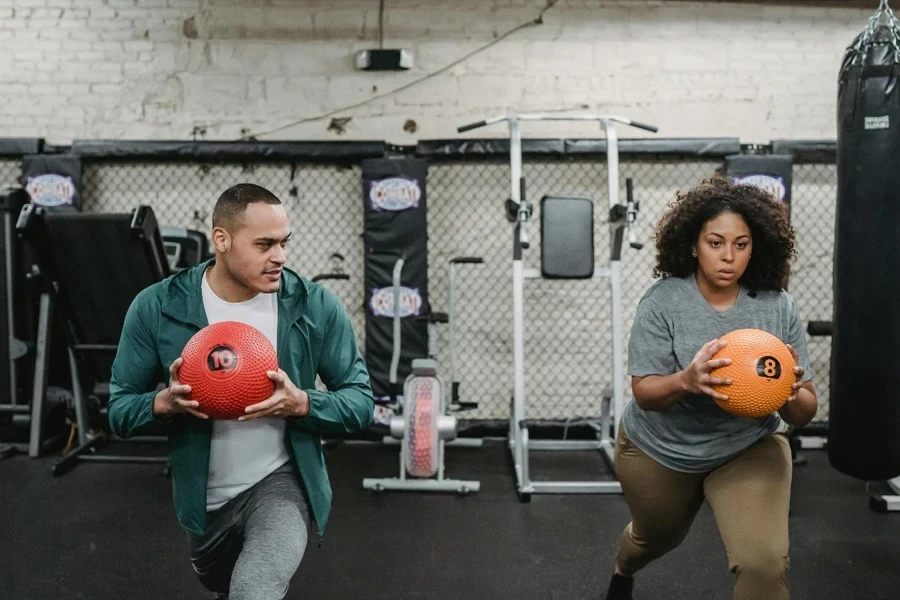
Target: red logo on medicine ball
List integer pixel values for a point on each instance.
(222, 358)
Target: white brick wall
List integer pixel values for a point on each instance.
(157, 68)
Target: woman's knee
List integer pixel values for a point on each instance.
(637, 549)
(762, 566)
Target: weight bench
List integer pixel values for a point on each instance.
(93, 266)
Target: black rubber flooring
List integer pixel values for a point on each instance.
(107, 530)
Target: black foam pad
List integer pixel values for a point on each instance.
(567, 237)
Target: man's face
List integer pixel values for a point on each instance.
(254, 251)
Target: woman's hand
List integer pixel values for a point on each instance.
(696, 378)
(798, 374)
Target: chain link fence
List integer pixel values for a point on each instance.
(323, 203)
(10, 172)
(568, 323)
(814, 200)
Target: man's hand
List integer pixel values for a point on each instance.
(174, 399)
(287, 401)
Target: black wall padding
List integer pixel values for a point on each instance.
(17, 147)
(771, 172)
(331, 152)
(53, 181)
(395, 225)
(807, 151)
(480, 149)
(864, 411)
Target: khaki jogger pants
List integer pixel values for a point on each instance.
(749, 495)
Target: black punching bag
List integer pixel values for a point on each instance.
(864, 412)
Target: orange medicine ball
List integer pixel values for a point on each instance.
(761, 371)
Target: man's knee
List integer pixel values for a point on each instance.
(214, 582)
(267, 565)
(260, 590)
(266, 580)
(214, 567)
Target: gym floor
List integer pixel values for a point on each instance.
(107, 530)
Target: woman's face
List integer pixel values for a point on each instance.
(723, 250)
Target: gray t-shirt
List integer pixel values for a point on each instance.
(672, 322)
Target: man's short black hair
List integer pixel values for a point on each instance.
(233, 202)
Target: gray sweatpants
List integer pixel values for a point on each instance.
(255, 542)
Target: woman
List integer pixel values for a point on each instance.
(723, 252)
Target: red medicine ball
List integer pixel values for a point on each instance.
(225, 364)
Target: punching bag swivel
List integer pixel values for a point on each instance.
(864, 411)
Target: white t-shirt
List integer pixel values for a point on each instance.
(243, 452)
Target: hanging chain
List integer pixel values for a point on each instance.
(883, 17)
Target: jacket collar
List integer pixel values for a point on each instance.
(183, 297)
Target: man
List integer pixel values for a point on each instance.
(245, 490)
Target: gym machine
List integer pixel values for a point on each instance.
(567, 253)
(425, 424)
(91, 298)
(887, 502)
(19, 299)
(184, 247)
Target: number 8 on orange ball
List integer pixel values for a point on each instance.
(762, 373)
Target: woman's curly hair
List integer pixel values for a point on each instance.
(773, 236)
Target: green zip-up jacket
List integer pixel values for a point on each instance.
(314, 337)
